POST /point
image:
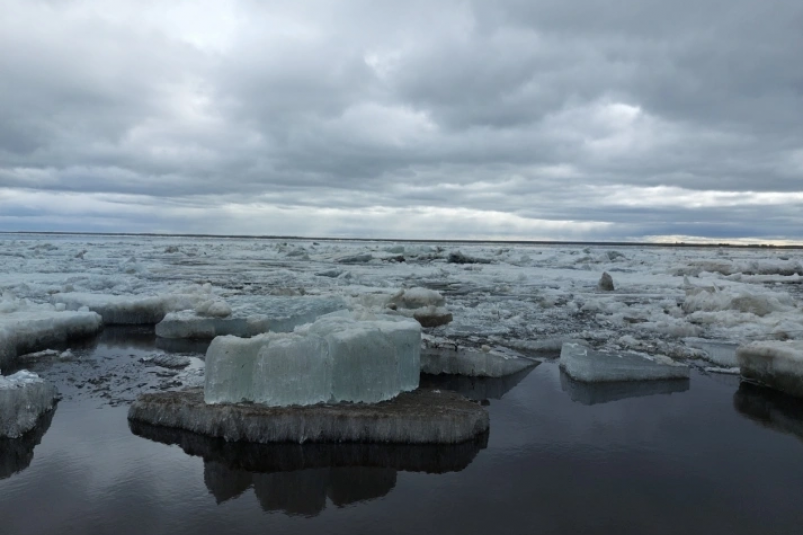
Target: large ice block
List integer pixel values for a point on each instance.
(24, 397)
(337, 358)
(582, 363)
(249, 316)
(776, 364)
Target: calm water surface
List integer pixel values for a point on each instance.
(699, 457)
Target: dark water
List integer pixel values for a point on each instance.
(704, 456)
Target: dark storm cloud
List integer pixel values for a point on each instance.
(561, 119)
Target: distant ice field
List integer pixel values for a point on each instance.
(522, 296)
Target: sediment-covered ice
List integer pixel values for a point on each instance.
(249, 317)
(26, 327)
(24, 397)
(582, 363)
(424, 305)
(138, 309)
(337, 358)
(773, 363)
(418, 417)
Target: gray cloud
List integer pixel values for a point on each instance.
(512, 119)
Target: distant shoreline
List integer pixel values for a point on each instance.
(680, 244)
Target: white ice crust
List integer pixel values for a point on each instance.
(249, 317)
(340, 357)
(138, 309)
(24, 397)
(26, 327)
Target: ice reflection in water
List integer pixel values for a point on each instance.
(593, 393)
(16, 454)
(297, 479)
(687, 463)
(476, 388)
(770, 409)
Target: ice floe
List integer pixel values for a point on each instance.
(26, 327)
(582, 363)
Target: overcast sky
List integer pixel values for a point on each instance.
(505, 119)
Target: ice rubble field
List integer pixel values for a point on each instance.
(667, 301)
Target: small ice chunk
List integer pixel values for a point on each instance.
(332, 273)
(214, 308)
(725, 371)
(168, 361)
(457, 257)
(360, 258)
(581, 363)
(776, 364)
(24, 397)
(424, 305)
(418, 297)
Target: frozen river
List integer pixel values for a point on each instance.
(706, 456)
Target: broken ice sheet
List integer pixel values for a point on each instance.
(582, 363)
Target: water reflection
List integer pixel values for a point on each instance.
(143, 337)
(183, 345)
(770, 408)
(603, 392)
(16, 454)
(297, 479)
(476, 388)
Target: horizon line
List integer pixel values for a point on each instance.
(679, 243)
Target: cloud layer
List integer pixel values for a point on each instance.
(636, 119)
